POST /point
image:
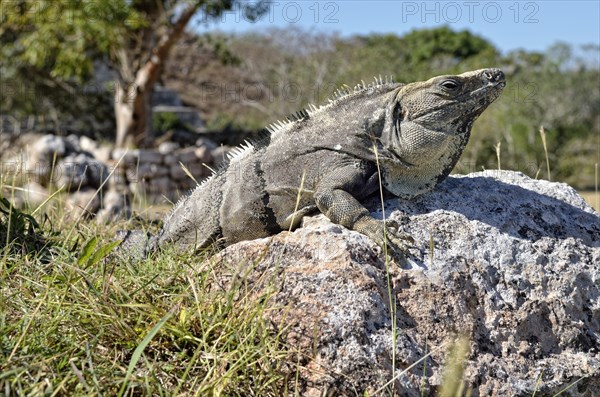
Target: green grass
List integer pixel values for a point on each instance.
(76, 321)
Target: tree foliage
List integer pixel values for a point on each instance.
(63, 37)
(47, 53)
(61, 42)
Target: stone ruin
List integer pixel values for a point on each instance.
(102, 181)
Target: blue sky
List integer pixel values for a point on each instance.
(532, 25)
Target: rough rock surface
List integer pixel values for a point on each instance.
(511, 262)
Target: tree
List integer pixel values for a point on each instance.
(140, 58)
(64, 37)
(42, 76)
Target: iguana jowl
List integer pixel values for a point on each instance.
(326, 159)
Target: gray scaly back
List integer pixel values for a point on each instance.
(326, 159)
(281, 127)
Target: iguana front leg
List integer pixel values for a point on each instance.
(341, 207)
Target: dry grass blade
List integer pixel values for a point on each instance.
(188, 173)
(497, 147)
(543, 135)
(453, 384)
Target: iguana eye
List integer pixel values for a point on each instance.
(450, 84)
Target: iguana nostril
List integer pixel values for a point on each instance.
(494, 75)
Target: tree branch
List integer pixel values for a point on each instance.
(167, 40)
(149, 72)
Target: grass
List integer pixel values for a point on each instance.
(75, 320)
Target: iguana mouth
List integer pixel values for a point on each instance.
(498, 86)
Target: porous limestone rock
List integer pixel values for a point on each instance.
(511, 262)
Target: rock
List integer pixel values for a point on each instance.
(171, 159)
(83, 203)
(71, 173)
(43, 156)
(150, 171)
(163, 185)
(159, 186)
(149, 156)
(67, 161)
(203, 154)
(126, 157)
(187, 155)
(116, 205)
(511, 262)
(48, 146)
(99, 152)
(205, 142)
(167, 147)
(17, 146)
(77, 171)
(72, 144)
(102, 154)
(78, 163)
(88, 144)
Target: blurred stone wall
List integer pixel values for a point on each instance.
(88, 171)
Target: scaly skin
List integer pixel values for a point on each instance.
(326, 160)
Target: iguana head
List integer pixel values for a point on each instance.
(428, 126)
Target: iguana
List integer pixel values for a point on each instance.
(407, 137)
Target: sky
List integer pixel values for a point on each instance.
(531, 25)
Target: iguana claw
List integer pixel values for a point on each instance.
(396, 241)
(387, 235)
